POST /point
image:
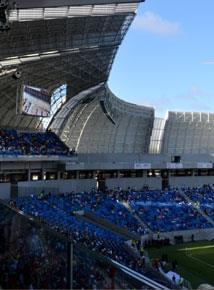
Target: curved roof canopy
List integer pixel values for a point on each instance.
(96, 121)
(52, 42)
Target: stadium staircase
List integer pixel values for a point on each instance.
(103, 223)
(197, 207)
(141, 222)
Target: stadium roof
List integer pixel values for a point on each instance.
(27, 4)
(52, 42)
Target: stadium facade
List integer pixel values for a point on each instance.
(59, 53)
(73, 44)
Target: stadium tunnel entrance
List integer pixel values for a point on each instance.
(101, 182)
(165, 179)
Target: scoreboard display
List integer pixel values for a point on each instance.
(35, 102)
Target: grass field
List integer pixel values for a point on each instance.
(195, 261)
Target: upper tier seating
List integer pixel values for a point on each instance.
(13, 142)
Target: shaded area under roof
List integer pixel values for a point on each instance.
(76, 50)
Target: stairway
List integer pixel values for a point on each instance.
(197, 208)
(141, 222)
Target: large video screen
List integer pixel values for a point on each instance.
(35, 102)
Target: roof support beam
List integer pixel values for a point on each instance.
(18, 60)
(27, 4)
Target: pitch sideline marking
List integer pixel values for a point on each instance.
(199, 260)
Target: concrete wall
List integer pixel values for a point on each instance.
(199, 235)
(55, 186)
(5, 190)
(138, 183)
(190, 181)
(156, 182)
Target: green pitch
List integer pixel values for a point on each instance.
(195, 261)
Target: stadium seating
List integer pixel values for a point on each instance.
(170, 211)
(84, 233)
(203, 195)
(13, 142)
(104, 206)
(162, 211)
(166, 218)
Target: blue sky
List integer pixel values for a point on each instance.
(167, 57)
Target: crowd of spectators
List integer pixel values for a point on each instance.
(34, 257)
(166, 218)
(58, 214)
(13, 142)
(103, 205)
(170, 211)
(203, 195)
(160, 210)
(80, 232)
(29, 256)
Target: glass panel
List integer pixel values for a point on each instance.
(58, 98)
(32, 257)
(98, 272)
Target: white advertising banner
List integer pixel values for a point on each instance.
(204, 165)
(171, 165)
(74, 165)
(141, 165)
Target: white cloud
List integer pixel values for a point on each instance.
(193, 93)
(155, 24)
(195, 99)
(208, 61)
